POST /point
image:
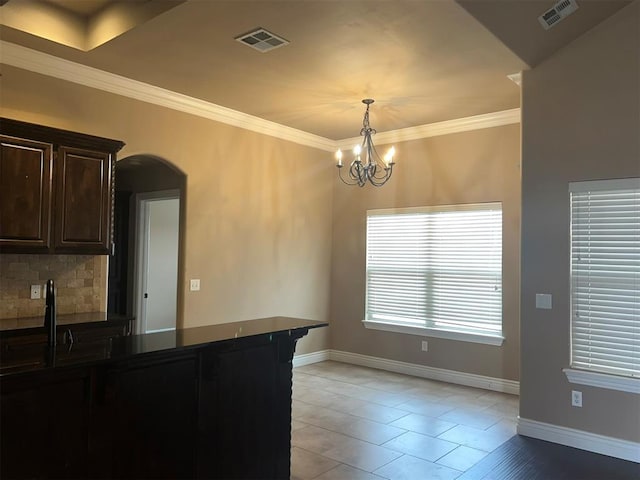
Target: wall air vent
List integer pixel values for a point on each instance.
(262, 40)
(559, 11)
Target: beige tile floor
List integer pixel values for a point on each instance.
(352, 422)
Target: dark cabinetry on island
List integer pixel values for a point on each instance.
(44, 421)
(147, 412)
(56, 190)
(209, 402)
(252, 386)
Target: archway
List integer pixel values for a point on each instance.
(140, 180)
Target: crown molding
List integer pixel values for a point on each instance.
(476, 122)
(45, 64)
(516, 78)
(32, 60)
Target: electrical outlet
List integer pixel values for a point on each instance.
(576, 398)
(195, 284)
(36, 292)
(425, 346)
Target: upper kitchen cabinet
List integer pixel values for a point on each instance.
(25, 193)
(82, 214)
(56, 190)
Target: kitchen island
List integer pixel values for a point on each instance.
(205, 402)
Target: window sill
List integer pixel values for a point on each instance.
(434, 332)
(602, 380)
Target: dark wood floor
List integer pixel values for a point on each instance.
(523, 458)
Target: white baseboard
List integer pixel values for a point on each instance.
(451, 376)
(614, 447)
(309, 358)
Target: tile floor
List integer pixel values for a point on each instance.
(357, 423)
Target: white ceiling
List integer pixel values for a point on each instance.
(423, 61)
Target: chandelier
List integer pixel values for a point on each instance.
(373, 169)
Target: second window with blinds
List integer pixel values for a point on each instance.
(605, 284)
(436, 271)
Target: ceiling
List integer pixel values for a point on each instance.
(422, 61)
(83, 8)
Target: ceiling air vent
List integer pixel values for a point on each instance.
(262, 40)
(560, 10)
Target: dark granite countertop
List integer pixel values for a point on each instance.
(36, 358)
(27, 323)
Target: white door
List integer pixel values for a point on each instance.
(158, 263)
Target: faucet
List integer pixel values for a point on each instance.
(50, 314)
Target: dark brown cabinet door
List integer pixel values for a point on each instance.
(151, 420)
(25, 194)
(83, 201)
(244, 428)
(44, 426)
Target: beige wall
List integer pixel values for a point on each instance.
(470, 167)
(258, 209)
(581, 121)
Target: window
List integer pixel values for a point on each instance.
(605, 277)
(436, 271)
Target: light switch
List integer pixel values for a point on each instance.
(195, 284)
(543, 300)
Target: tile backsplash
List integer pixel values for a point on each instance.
(80, 282)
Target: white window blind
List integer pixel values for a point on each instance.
(605, 276)
(436, 267)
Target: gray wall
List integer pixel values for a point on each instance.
(470, 167)
(581, 121)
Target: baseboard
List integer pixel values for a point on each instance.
(451, 376)
(432, 373)
(309, 358)
(592, 442)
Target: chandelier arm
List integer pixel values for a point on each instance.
(383, 172)
(345, 181)
(381, 176)
(380, 170)
(367, 146)
(358, 173)
(378, 182)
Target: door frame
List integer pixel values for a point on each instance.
(140, 265)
